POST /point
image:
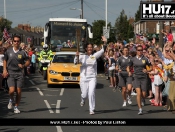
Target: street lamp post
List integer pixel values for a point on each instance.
(106, 14)
(5, 9)
(79, 10)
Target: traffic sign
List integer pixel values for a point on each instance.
(106, 32)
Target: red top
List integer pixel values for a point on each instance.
(170, 37)
(30, 53)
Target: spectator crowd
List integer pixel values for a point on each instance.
(160, 74)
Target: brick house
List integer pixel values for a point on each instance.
(152, 27)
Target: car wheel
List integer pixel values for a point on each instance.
(48, 85)
(44, 75)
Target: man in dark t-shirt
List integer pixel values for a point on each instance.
(15, 59)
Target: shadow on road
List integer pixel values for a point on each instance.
(155, 111)
(8, 130)
(44, 109)
(109, 111)
(74, 86)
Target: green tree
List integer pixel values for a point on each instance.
(122, 25)
(137, 15)
(97, 26)
(4, 23)
(130, 32)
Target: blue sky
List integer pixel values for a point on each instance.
(38, 12)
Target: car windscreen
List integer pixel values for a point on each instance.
(63, 58)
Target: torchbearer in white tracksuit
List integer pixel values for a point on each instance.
(88, 73)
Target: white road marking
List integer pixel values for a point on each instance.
(49, 95)
(32, 82)
(58, 106)
(49, 90)
(48, 106)
(40, 92)
(26, 77)
(59, 129)
(53, 104)
(62, 91)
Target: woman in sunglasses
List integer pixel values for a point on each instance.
(140, 75)
(158, 81)
(125, 77)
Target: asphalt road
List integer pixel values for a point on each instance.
(62, 101)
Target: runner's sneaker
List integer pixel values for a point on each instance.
(92, 113)
(140, 112)
(143, 102)
(124, 104)
(82, 104)
(129, 100)
(16, 110)
(133, 94)
(119, 88)
(114, 89)
(10, 105)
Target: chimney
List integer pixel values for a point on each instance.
(28, 28)
(32, 29)
(25, 27)
(42, 29)
(36, 30)
(20, 26)
(39, 29)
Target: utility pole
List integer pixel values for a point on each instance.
(4, 9)
(160, 32)
(106, 14)
(81, 9)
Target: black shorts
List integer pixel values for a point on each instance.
(15, 80)
(140, 83)
(124, 81)
(1, 69)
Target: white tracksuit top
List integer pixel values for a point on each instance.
(88, 68)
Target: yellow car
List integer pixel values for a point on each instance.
(62, 69)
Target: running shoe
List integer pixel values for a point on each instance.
(133, 94)
(124, 104)
(140, 112)
(119, 88)
(129, 100)
(16, 110)
(82, 103)
(92, 113)
(114, 89)
(10, 104)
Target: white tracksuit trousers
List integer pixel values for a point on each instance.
(88, 89)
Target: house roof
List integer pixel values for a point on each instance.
(26, 33)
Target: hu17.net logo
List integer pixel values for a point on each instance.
(157, 10)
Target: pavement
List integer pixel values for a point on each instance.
(63, 101)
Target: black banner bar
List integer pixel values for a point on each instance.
(87, 122)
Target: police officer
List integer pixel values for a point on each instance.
(47, 52)
(88, 73)
(15, 59)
